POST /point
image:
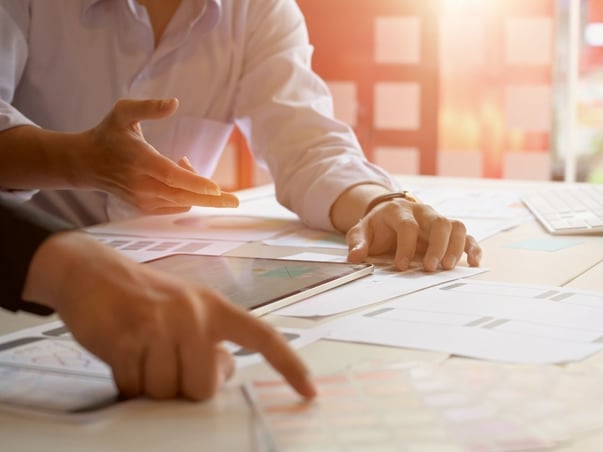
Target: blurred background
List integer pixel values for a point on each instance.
(461, 88)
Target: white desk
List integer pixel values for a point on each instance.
(225, 424)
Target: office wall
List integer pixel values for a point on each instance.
(448, 87)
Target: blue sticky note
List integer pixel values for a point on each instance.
(549, 244)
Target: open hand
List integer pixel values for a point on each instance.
(121, 162)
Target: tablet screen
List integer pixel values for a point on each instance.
(261, 284)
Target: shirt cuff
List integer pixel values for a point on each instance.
(17, 195)
(22, 230)
(11, 117)
(339, 177)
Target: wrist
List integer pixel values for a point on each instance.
(55, 260)
(349, 208)
(36, 158)
(62, 156)
(405, 194)
(69, 158)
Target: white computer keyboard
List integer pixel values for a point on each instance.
(568, 210)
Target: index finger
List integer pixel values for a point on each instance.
(242, 328)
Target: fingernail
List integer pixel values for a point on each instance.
(432, 263)
(449, 262)
(213, 190)
(357, 247)
(226, 367)
(403, 263)
(309, 389)
(166, 104)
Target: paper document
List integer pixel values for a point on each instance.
(322, 257)
(218, 225)
(310, 238)
(474, 203)
(143, 249)
(43, 370)
(487, 320)
(484, 212)
(382, 285)
(256, 219)
(451, 408)
(482, 228)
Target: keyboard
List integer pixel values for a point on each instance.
(568, 210)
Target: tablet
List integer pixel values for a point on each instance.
(261, 285)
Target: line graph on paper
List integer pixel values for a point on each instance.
(56, 355)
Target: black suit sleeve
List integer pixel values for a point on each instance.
(22, 230)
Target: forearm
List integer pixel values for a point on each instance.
(37, 158)
(352, 203)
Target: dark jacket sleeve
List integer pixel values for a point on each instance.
(22, 230)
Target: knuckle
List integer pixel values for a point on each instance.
(152, 326)
(441, 222)
(459, 226)
(186, 303)
(355, 230)
(204, 391)
(161, 391)
(391, 207)
(409, 224)
(191, 309)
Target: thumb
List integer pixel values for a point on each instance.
(225, 364)
(358, 246)
(185, 163)
(128, 111)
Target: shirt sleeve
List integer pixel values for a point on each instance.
(14, 25)
(285, 110)
(22, 231)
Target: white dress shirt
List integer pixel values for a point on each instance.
(64, 63)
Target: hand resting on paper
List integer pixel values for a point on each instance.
(405, 227)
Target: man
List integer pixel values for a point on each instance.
(160, 335)
(246, 63)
